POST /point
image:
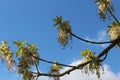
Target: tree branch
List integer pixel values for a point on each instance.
(65, 72)
(50, 62)
(37, 70)
(104, 57)
(108, 48)
(111, 13)
(81, 65)
(88, 41)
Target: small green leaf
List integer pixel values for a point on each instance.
(17, 43)
(84, 53)
(97, 1)
(91, 54)
(22, 43)
(19, 52)
(32, 47)
(58, 20)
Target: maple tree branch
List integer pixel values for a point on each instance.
(37, 70)
(104, 57)
(65, 72)
(50, 62)
(88, 41)
(111, 13)
(105, 51)
(81, 65)
(37, 67)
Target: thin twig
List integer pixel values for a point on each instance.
(37, 67)
(37, 70)
(50, 62)
(111, 13)
(104, 57)
(93, 42)
(105, 51)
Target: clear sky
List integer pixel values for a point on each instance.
(32, 20)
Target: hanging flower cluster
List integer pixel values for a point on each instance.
(25, 54)
(94, 66)
(114, 31)
(103, 7)
(6, 54)
(64, 30)
(55, 69)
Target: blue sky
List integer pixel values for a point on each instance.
(32, 20)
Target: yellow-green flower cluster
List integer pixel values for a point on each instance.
(94, 66)
(64, 30)
(103, 7)
(6, 54)
(114, 31)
